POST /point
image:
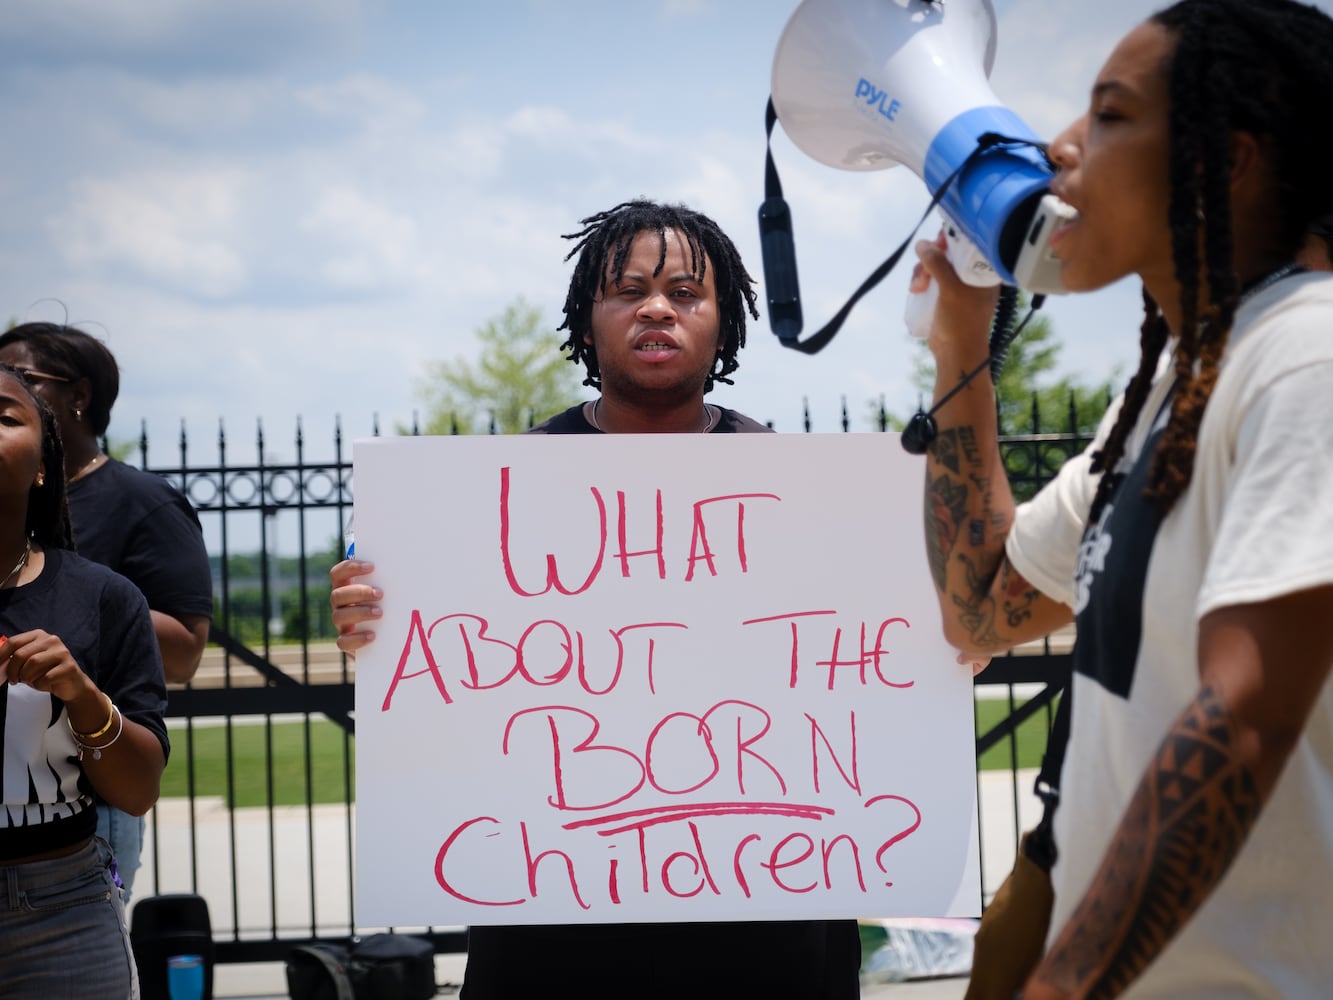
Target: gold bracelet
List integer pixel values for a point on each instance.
(97, 750)
(110, 718)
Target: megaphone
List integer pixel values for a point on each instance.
(869, 84)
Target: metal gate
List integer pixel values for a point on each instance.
(258, 814)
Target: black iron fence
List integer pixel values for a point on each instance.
(257, 810)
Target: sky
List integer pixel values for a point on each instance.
(283, 211)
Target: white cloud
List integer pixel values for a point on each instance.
(368, 99)
(367, 246)
(204, 106)
(181, 35)
(171, 227)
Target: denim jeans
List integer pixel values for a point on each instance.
(64, 930)
(125, 835)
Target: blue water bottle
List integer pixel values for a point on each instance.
(185, 977)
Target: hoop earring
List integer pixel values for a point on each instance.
(78, 414)
(41, 480)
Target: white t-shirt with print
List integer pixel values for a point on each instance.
(1255, 523)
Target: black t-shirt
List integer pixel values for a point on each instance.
(572, 421)
(103, 620)
(145, 529)
(805, 959)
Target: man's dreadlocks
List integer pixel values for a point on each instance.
(603, 247)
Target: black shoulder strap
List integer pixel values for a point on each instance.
(1040, 843)
(778, 248)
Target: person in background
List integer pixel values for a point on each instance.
(81, 707)
(124, 518)
(1193, 541)
(656, 313)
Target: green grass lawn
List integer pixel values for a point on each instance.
(1031, 736)
(253, 746)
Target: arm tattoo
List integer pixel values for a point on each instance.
(1019, 595)
(944, 449)
(946, 505)
(967, 442)
(952, 499)
(976, 532)
(1181, 831)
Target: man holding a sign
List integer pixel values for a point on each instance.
(656, 312)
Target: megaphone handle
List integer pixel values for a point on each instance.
(972, 268)
(920, 310)
(967, 259)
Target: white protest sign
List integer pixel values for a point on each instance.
(656, 677)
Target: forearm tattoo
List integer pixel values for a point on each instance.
(960, 526)
(1181, 831)
(1019, 596)
(946, 505)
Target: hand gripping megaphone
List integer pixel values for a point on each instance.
(869, 84)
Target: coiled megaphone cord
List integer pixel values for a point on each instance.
(1002, 331)
(921, 430)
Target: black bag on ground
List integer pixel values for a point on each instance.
(318, 972)
(380, 967)
(393, 967)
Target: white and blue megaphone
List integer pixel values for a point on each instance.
(869, 84)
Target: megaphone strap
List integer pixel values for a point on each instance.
(778, 247)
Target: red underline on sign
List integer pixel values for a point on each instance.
(641, 818)
(780, 618)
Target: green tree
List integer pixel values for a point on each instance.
(522, 376)
(1028, 401)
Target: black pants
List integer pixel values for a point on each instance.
(803, 960)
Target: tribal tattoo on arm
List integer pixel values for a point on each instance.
(1184, 826)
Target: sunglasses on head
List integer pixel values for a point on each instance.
(33, 375)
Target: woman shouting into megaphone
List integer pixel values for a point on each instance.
(1192, 543)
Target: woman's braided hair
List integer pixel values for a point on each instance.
(1257, 66)
(603, 247)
